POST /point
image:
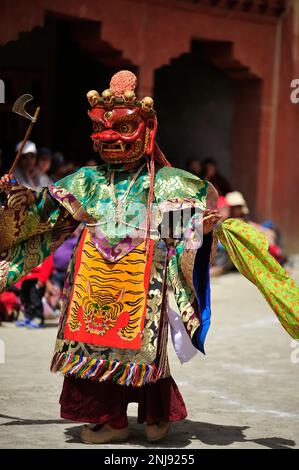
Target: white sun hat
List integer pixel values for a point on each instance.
(30, 147)
(235, 198)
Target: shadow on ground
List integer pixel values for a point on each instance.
(30, 422)
(182, 434)
(186, 432)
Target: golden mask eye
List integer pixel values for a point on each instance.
(125, 127)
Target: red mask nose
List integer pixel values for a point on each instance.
(106, 135)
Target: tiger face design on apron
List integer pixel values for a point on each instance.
(108, 300)
(101, 310)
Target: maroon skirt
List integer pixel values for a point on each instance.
(100, 402)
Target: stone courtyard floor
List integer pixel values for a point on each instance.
(243, 394)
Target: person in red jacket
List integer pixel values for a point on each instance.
(32, 291)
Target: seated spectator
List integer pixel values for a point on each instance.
(223, 207)
(62, 256)
(9, 304)
(194, 166)
(64, 170)
(237, 205)
(57, 162)
(210, 172)
(32, 291)
(272, 231)
(25, 171)
(52, 301)
(44, 160)
(234, 205)
(222, 262)
(239, 209)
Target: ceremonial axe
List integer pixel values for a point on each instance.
(19, 108)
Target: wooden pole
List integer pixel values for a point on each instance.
(19, 154)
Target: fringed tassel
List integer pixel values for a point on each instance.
(159, 156)
(103, 371)
(151, 171)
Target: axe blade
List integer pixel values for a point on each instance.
(19, 106)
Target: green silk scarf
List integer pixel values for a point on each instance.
(248, 249)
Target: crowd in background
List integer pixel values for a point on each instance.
(37, 296)
(231, 203)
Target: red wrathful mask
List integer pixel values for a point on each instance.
(124, 129)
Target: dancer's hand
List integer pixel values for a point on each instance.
(210, 218)
(7, 182)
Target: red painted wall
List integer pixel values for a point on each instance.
(151, 33)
